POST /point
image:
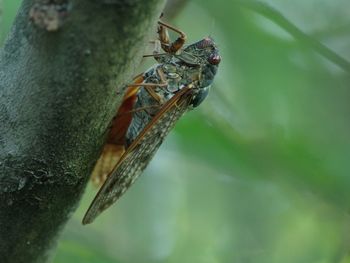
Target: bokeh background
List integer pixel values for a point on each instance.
(261, 171)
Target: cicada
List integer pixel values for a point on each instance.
(156, 100)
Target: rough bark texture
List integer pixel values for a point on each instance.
(58, 93)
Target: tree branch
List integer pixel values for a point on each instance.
(58, 92)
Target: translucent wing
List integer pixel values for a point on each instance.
(139, 154)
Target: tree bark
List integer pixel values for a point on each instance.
(58, 92)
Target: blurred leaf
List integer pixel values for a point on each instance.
(77, 252)
(9, 9)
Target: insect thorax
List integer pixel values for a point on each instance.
(177, 77)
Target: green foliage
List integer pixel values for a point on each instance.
(77, 252)
(260, 172)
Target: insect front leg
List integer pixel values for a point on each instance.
(163, 36)
(165, 43)
(170, 47)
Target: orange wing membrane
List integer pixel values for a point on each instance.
(115, 145)
(151, 107)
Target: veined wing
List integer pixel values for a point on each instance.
(139, 153)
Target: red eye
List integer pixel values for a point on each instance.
(214, 59)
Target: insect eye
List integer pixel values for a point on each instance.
(214, 59)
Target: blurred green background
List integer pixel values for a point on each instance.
(260, 172)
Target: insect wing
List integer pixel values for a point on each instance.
(114, 148)
(139, 154)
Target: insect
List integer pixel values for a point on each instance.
(152, 105)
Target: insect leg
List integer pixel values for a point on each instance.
(170, 47)
(163, 81)
(163, 35)
(154, 94)
(150, 86)
(161, 75)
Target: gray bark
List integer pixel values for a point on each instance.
(58, 92)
